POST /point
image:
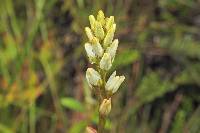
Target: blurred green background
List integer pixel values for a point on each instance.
(43, 63)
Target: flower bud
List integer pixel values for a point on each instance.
(93, 77)
(101, 17)
(114, 83)
(105, 63)
(105, 107)
(90, 53)
(112, 49)
(98, 30)
(97, 48)
(89, 33)
(109, 36)
(109, 22)
(92, 21)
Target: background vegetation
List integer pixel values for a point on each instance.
(43, 62)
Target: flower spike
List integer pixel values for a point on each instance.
(101, 50)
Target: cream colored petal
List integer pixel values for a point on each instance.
(109, 36)
(112, 49)
(117, 85)
(111, 84)
(89, 33)
(98, 31)
(105, 107)
(92, 21)
(98, 50)
(109, 22)
(89, 50)
(105, 63)
(93, 77)
(101, 18)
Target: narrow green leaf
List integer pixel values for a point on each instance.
(72, 104)
(125, 58)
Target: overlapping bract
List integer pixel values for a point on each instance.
(101, 51)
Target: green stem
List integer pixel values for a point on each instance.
(32, 113)
(101, 125)
(102, 96)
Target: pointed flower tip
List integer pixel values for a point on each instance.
(86, 28)
(116, 41)
(112, 76)
(112, 18)
(114, 73)
(101, 18)
(118, 84)
(91, 16)
(113, 27)
(92, 21)
(122, 77)
(109, 22)
(101, 14)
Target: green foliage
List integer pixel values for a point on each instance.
(190, 75)
(125, 58)
(72, 104)
(153, 87)
(193, 123)
(182, 47)
(178, 124)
